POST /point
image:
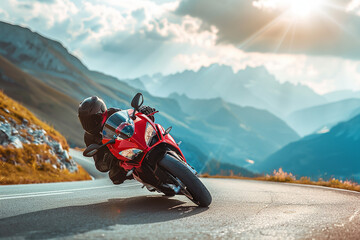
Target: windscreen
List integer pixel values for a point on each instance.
(118, 125)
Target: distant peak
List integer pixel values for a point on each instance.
(257, 69)
(216, 66)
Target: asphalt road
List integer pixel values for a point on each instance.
(241, 209)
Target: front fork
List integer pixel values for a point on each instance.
(153, 179)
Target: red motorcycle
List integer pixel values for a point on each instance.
(150, 154)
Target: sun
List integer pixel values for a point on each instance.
(292, 8)
(303, 8)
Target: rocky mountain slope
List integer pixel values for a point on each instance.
(30, 150)
(323, 117)
(254, 87)
(335, 153)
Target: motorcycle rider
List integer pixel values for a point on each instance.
(93, 113)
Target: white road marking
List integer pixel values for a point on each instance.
(352, 216)
(34, 195)
(66, 191)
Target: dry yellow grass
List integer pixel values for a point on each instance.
(15, 174)
(22, 166)
(32, 163)
(282, 176)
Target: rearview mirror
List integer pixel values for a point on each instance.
(91, 150)
(137, 101)
(167, 131)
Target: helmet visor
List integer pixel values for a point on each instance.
(118, 125)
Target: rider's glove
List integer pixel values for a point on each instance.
(103, 162)
(146, 110)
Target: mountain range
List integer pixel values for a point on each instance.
(254, 87)
(257, 131)
(46, 78)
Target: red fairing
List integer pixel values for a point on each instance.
(137, 141)
(170, 140)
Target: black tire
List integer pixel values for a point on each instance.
(194, 186)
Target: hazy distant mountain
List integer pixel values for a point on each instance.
(320, 118)
(135, 83)
(249, 87)
(341, 95)
(241, 132)
(262, 122)
(336, 153)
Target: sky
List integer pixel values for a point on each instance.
(312, 42)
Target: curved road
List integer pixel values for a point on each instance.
(241, 209)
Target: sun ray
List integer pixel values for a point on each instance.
(247, 42)
(283, 36)
(293, 32)
(332, 20)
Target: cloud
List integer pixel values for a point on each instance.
(132, 38)
(256, 27)
(323, 74)
(49, 12)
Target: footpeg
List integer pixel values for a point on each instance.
(129, 173)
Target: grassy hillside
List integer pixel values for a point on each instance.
(46, 102)
(30, 150)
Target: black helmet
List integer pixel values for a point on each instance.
(91, 111)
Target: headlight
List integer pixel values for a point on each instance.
(149, 133)
(130, 153)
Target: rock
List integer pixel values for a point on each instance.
(12, 121)
(57, 147)
(30, 131)
(15, 141)
(10, 135)
(25, 122)
(4, 139)
(72, 168)
(5, 133)
(66, 156)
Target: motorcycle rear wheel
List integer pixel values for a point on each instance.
(199, 193)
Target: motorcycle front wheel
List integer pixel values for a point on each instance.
(191, 185)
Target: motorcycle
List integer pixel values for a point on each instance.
(148, 152)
